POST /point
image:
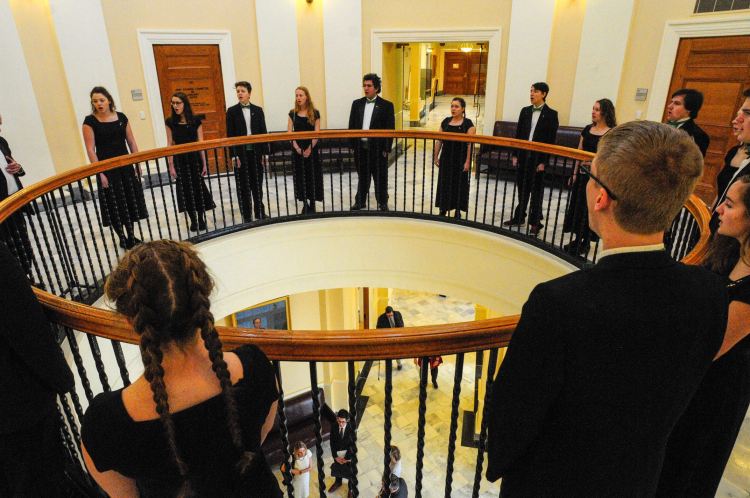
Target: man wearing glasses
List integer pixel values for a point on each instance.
(604, 360)
(372, 112)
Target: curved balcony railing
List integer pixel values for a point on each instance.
(55, 230)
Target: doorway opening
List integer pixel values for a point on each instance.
(421, 78)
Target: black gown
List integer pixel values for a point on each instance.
(123, 203)
(192, 193)
(577, 214)
(139, 450)
(308, 171)
(701, 443)
(453, 181)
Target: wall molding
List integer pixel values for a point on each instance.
(670, 41)
(147, 38)
(491, 35)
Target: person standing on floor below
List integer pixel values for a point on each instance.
(434, 362)
(341, 441)
(107, 134)
(604, 361)
(188, 169)
(245, 119)
(391, 319)
(537, 123)
(454, 162)
(372, 112)
(576, 215)
(682, 111)
(308, 172)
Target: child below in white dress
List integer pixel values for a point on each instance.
(301, 470)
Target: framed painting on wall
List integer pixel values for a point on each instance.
(273, 314)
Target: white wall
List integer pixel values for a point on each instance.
(279, 59)
(22, 122)
(342, 44)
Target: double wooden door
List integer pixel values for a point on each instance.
(196, 71)
(465, 73)
(719, 67)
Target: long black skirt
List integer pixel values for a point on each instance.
(308, 177)
(123, 201)
(192, 193)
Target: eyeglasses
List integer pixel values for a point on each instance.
(587, 171)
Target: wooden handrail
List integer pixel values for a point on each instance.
(310, 345)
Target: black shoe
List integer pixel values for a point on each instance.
(193, 227)
(535, 229)
(512, 223)
(261, 216)
(572, 246)
(382, 207)
(123, 242)
(202, 225)
(398, 366)
(336, 485)
(311, 207)
(357, 206)
(443, 212)
(457, 214)
(305, 209)
(434, 384)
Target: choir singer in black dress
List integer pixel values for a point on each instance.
(188, 169)
(454, 161)
(308, 173)
(194, 422)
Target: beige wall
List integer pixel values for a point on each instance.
(42, 52)
(311, 53)
(429, 14)
(567, 24)
(124, 18)
(645, 37)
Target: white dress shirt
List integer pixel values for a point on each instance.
(246, 115)
(534, 121)
(9, 179)
(627, 249)
(369, 108)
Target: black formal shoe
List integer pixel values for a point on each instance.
(512, 223)
(572, 246)
(382, 207)
(399, 366)
(193, 227)
(123, 242)
(434, 384)
(357, 206)
(535, 229)
(443, 212)
(334, 487)
(202, 225)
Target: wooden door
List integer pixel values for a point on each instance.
(455, 73)
(719, 67)
(477, 72)
(196, 71)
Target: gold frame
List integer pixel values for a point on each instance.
(284, 299)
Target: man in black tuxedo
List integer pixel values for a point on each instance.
(682, 111)
(244, 119)
(32, 372)
(13, 231)
(389, 320)
(341, 441)
(537, 123)
(372, 112)
(605, 360)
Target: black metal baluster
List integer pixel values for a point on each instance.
(120, 358)
(353, 422)
(98, 362)
(318, 428)
(68, 442)
(414, 175)
(218, 180)
(63, 251)
(505, 188)
(47, 208)
(153, 210)
(457, 377)
(85, 210)
(85, 284)
(387, 415)
(70, 418)
(164, 203)
(485, 413)
(101, 230)
(421, 423)
(73, 344)
(424, 169)
(283, 427)
(432, 179)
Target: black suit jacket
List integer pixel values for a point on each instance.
(5, 150)
(236, 126)
(383, 322)
(32, 366)
(699, 136)
(338, 443)
(383, 118)
(545, 131)
(601, 366)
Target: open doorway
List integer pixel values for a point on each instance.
(422, 78)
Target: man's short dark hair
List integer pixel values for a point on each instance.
(693, 100)
(542, 87)
(389, 309)
(343, 414)
(374, 78)
(245, 84)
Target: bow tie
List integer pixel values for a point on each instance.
(371, 101)
(245, 106)
(674, 123)
(537, 109)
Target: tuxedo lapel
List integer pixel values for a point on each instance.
(375, 112)
(362, 103)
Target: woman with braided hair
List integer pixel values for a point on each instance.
(193, 423)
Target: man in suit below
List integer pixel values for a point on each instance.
(372, 112)
(682, 111)
(13, 231)
(341, 441)
(32, 372)
(245, 119)
(537, 123)
(390, 320)
(605, 360)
